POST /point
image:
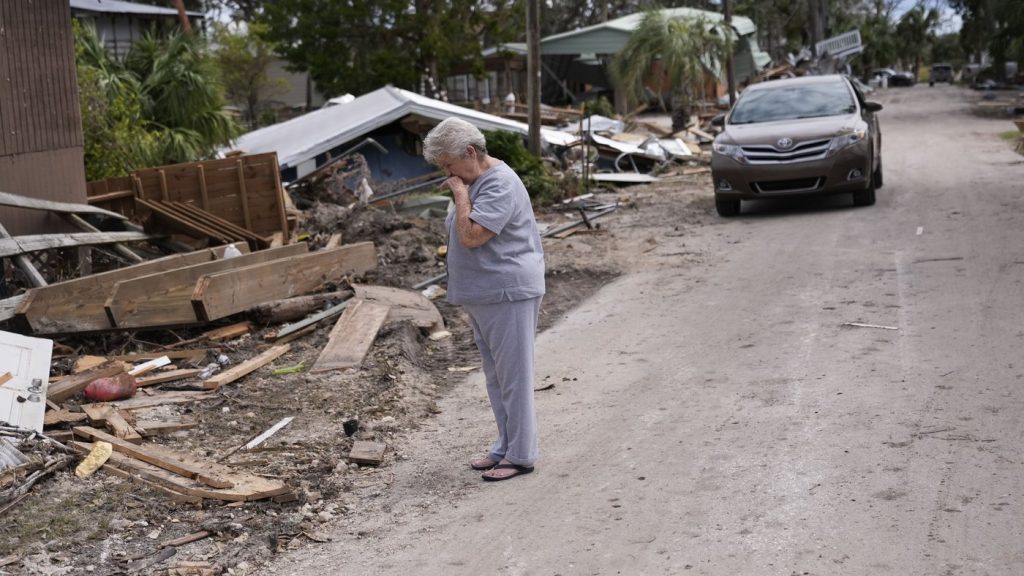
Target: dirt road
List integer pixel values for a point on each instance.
(713, 414)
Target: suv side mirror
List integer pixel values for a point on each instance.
(872, 106)
(718, 120)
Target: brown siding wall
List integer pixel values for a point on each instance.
(40, 124)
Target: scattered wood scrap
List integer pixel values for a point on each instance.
(352, 336)
(245, 487)
(250, 365)
(72, 385)
(168, 376)
(364, 452)
(154, 457)
(408, 305)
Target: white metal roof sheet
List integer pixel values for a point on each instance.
(123, 7)
(316, 132)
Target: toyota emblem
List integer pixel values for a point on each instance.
(784, 142)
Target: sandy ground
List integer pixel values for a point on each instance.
(714, 413)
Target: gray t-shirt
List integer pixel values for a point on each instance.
(509, 266)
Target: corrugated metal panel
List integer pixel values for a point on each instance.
(595, 41)
(52, 175)
(38, 90)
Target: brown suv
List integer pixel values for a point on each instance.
(797, 136)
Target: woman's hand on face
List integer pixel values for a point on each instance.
(456, 185)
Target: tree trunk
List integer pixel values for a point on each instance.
(289, 309)
(183, 16)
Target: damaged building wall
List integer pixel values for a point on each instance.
(41, 154)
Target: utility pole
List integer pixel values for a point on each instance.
(533, 73)
(183, 16)
(729, 72)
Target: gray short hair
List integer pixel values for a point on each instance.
(451, 138)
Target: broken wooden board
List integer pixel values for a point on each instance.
(364, 452)
(165, 298)
(149, 454)
(225, 293)
(352, 336)
(290, 309)
(9, 306)
(69, 386)
(250, 365)
(247, 487)
(123, 467)
(16, 245)
(159, 427)
(405, 305)
(108, 417)
(158, 399)
(168, 376)
(54, 417)
(188, 355)
(78, 305)
(19, 201)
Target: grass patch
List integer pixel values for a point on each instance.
(1010, 135)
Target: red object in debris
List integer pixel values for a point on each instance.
(113, 388)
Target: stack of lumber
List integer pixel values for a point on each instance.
(188, 289)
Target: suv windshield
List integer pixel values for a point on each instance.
(793, 102)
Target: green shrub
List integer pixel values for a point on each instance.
(508, 147)
(601, 106)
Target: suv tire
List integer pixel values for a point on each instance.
(864, 197)
(727, 208)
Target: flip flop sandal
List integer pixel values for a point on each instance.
(476, 466)
(519, 471)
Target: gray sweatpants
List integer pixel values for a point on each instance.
(505, 334)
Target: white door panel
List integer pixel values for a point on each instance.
(23, 397)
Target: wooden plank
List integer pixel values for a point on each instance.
(190, 355)
(68, 387)
(25, 265)
(364, 452)
(159, 399)
(36, 242)
(243, 196)
(159, 427)
(54, 417)
(150, 476)
(84, 226)
(228, 332)
(109, 417)
(78, 305)
(165, 298)
(153, 457)
(215, 222)
(279, 199)
(5, 378)
(408, 305)
(170, 219)
(310, 322)
(225, 293)
(204, 198)
(9, 306)
(352, 336)
(18, 201)
(244, 368)
(168, 376)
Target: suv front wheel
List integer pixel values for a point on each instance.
(727, 208)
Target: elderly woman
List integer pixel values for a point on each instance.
(496, 272)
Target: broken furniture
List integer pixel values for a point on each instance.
(227, 200)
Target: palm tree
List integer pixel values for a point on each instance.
(683, 47)
(916, 31)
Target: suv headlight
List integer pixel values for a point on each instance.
(731, 150)
(845, 140)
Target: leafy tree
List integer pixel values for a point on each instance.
(360, 45)
(161, 105)
(243, 58)
(115, 138)
(916, 32)
(680, 47)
